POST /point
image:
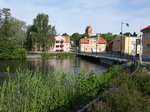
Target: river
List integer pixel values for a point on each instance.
(67, 64)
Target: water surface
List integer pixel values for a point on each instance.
(67, 64)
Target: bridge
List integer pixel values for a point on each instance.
(109, 58)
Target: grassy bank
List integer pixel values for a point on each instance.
(48, 55)
(53, 92)
(132, 95)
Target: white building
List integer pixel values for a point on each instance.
(62, 44)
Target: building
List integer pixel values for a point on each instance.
(62, 44)
(127, 45)
(92, 45)
(88, 30)
(146, 43)
(110, 45)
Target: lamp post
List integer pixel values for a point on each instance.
(121, 37)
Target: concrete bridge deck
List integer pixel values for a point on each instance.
(108, 57)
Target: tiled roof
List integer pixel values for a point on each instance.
(67, 39)
(86, 40)
(101, 41)
(146, 29)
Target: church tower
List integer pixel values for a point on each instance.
(88, 30)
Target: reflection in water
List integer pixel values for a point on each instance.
(68, 64)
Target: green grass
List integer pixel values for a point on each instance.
(132, 95)
(148, 67)
(53, 92)
(48, 55)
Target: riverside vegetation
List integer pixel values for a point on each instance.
(48, 55)
(53, 92)
(132, 94)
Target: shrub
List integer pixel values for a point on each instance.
(132, 95)
(13, 52)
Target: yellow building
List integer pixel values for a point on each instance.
(146, 43)
(127, 45)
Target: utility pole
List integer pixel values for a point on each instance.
(122, 37)
(141, 46)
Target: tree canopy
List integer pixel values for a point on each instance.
(75, 38)
(65, 34)
(108, 36)
(41, 35)
(12, 33)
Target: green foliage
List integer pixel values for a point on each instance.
(132, 95)
(65, 34)
(12, 36)
(13, 52)
(41, 34)
(12, 31)
(48, 55)
(56, 92)
(148, 67)
(76, 38)
(108, 36)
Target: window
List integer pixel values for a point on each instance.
(148, 35)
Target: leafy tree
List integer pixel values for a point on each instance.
(41, 33)
(5, 15)
(12, 34)
(65, 34)
(85, 35)
(108, 36)
(75, 38)
(28, 43)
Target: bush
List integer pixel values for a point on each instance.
(132, 95)
(148, 67)
(13, 52)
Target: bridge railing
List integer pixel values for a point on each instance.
(113, 54)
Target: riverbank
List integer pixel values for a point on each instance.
(63, 54)
(57, 91)
(131, 95)
(49, 55)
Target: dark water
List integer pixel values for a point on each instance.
(68, 64)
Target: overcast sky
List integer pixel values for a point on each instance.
(71, 16)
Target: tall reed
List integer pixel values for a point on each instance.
(53, 92)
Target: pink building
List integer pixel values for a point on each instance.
(62, 44)
(92, 45)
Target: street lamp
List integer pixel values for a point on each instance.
(121, 37)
